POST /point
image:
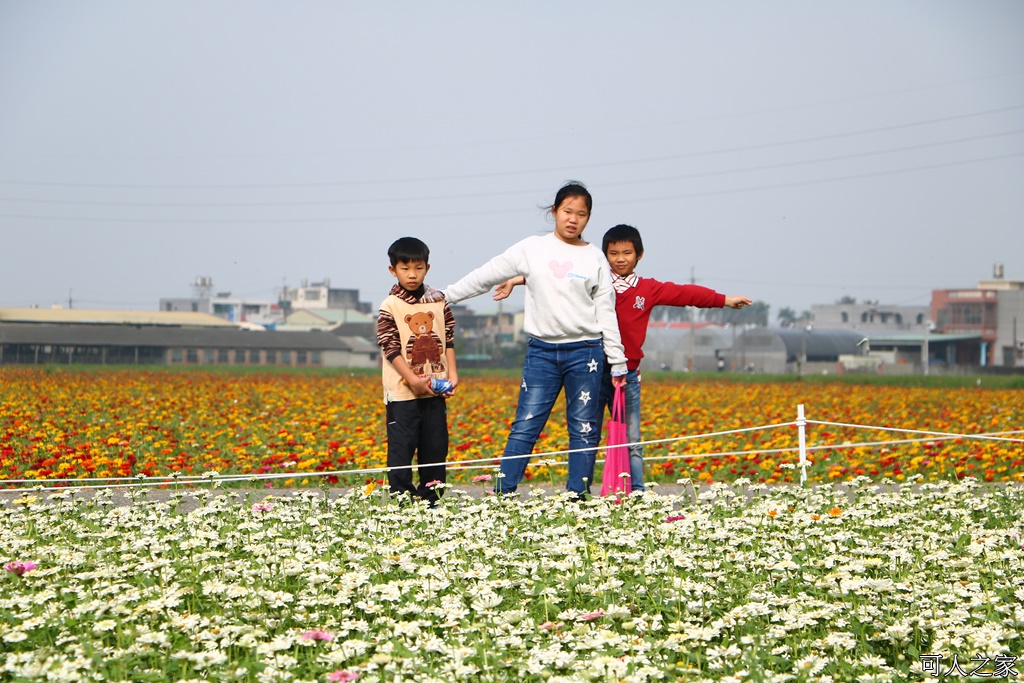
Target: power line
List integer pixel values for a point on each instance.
(822, 285)
(493, 174)
(453, 214)
(820, 181)
(519, 140)
(480, 195)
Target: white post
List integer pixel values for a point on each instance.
(801, 426)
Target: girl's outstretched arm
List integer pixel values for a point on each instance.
(499, 269)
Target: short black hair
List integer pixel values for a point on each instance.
(407, 250)
(623, 233)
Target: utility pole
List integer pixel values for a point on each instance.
(693, 365)
(732, 349)
(69, 298)
(925, 352)
(1016, 343)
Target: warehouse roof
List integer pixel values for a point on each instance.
(820, 344)
(110, 317)
(917, 339)
(181, 337)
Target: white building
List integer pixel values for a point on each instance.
(871, 318)
(318, 296)
(223, 305)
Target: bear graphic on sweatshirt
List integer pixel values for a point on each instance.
(424, 346)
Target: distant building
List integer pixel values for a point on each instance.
(906, 352)
(37, 336)
(124, 318)
(343, 322)
(320, 295)
(488, 339)
(808, 349)
(262, 312)
(993, 311)
(678, 346)
(871, 318)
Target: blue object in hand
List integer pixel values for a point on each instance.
(440, 386)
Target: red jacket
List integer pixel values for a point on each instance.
(633, 309)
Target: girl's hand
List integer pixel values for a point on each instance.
(503, 290)
(737, 302)
(431, 295)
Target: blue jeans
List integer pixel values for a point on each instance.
(577, 366)
(636, 452)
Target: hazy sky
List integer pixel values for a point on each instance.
(794, 152)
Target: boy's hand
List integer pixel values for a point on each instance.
(420, 386)
(503, 290)
(737, 302)
(454, 379)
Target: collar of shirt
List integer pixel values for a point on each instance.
(621, 284)
(404, 294)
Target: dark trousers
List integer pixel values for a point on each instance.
(417, 427)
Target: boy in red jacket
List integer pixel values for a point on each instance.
(635, 298)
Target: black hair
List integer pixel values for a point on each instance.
(572, 188)
(407, 250)
(623, 233)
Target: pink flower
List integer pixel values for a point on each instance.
(262, 507)
(482, 477)
(591, 616)
(551, 626)
(674, 518)
(432, 484)
(19, 568)
(342, 675)
(326, 636)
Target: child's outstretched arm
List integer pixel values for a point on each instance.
(503, 290)
(506, 265)
(737, 302)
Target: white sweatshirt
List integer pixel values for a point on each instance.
(569, 295)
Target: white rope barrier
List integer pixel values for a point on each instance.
(491, 462)
(169, 480)
(205, 478)
(951, 435)
(810, 449)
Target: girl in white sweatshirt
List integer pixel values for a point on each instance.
(572, 328)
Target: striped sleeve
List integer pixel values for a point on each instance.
(387, 335)
(449, 327)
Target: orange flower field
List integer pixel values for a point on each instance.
(89, 424)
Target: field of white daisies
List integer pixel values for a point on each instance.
(735, 583)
